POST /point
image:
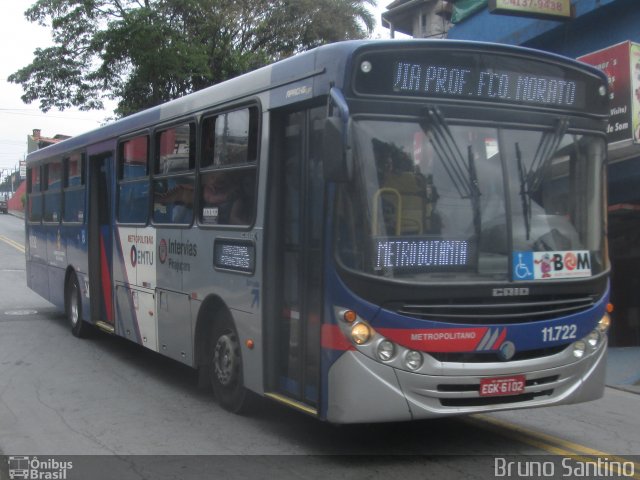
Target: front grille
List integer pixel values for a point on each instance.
(490, 357)
(496, 311)
(484, 401)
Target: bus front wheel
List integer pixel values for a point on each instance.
(225, 367)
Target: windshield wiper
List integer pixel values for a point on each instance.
(447, 149)
(544, 153)
(524, 194)
(463, 174)
(531, 179)
(475, 193)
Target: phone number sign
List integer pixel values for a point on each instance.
(547, 9)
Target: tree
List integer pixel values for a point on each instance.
(145, 52)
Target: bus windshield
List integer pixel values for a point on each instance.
(433, 202)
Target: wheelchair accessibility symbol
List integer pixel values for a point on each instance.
(523, 266)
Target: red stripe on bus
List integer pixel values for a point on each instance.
(332, 338)
(501, 338)
(436, 340)
(106, 281)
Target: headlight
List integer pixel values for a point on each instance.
(578, 349)
(593, 338)
(413, 360)
(360, 333)
(604, 324)
(386, 350)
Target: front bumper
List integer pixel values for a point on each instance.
(363, 390)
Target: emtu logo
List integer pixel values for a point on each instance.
(142, 257)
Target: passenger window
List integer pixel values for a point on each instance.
(35, 180)
(175, 149)
(227, 198)
(54, 176)
(230, 138)
(74, 189)
(228, 168)
(34, 197)
(134, 157)
(173, 199)
(52, 196)
(133, 184)
(174, 180)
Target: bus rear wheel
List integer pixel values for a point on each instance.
(79, 327)
(225, 367)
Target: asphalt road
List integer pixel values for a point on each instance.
(134, 414)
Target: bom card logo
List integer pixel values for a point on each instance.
(551, 265)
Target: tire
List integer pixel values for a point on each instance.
(225, 367)
(79, 327)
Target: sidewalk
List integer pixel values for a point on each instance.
(623, 369)
(16, 213)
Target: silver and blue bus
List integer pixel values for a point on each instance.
(370, 231)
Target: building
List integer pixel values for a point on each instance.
(36, 141)
(600, 32)
(418, 18)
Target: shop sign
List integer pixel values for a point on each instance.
(621, 64)
(544, 9)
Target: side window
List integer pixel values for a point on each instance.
(133, 180)
(227, 197)
(34, 197)
(73, 188)
(52, 195)
(175, 149)
(230, 138)
(174, 179)
(228, 168)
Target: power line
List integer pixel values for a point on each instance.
(7, 112)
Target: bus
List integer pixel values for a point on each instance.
(370, 231)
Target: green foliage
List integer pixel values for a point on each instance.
(145, 52)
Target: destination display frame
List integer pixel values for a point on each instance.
(424, 254)
(467, 75)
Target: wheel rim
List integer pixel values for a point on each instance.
(74, 310)
(226, 359)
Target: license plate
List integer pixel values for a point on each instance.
(498, 386)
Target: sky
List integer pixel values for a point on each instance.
(19, 38)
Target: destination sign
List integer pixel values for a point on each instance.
(460, 81)
(423, 254)
(492, 77)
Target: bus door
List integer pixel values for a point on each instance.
(296, 211)
(100, 240)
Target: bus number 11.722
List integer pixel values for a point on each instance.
(560, 332)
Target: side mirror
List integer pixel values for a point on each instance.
(336, 151)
